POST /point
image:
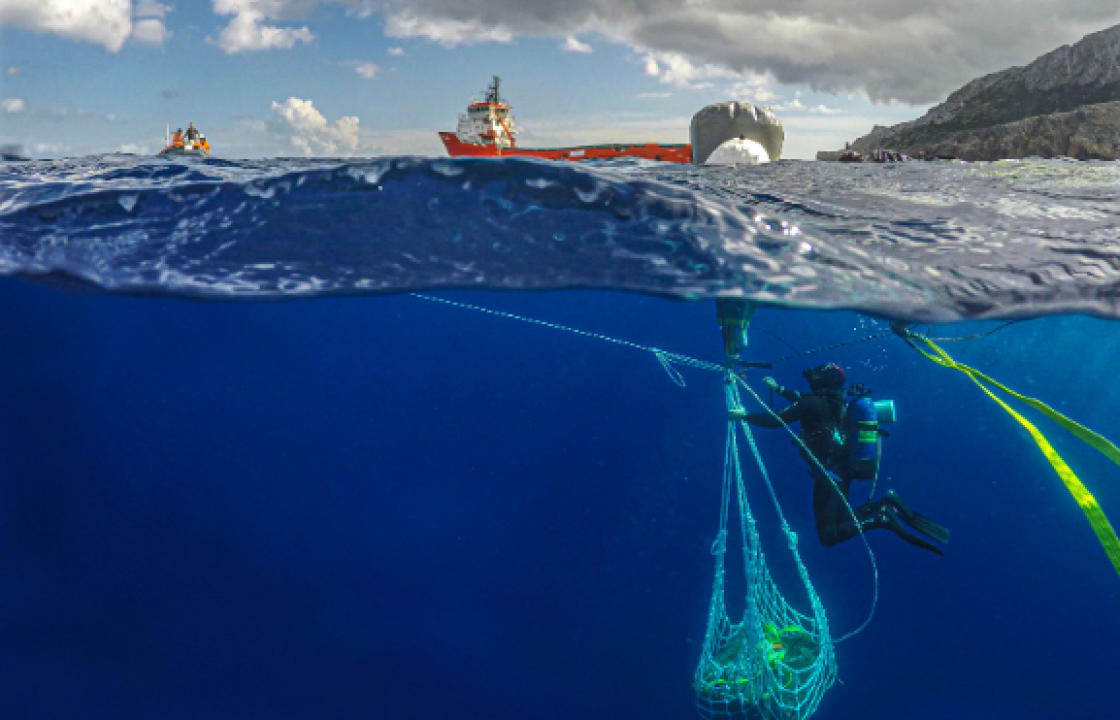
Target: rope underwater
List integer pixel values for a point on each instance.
(664, 357)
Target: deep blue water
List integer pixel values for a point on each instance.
(375, 506)
(383, 508)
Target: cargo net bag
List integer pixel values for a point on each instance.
(773, 663)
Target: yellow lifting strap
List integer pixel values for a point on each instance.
(1085, 500)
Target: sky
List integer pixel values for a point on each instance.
(372, 77)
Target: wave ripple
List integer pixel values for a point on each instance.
(920, 241)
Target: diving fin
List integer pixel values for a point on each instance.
(895, 525)
(916, 520)
(891, 513)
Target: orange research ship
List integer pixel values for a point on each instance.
(487, 130)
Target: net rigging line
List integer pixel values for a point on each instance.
(669, 361)
(976, 335)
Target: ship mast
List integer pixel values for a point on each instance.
(492, 91)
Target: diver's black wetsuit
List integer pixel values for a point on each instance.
(821, 414)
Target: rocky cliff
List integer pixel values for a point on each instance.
(1066, 102)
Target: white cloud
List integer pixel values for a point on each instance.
(248, 31)
(310, 133)
(796, 106)
(13, 106)
(12, 71)
(913, 51)
(755, 87)
(572, 44)
(43, 149)
(367, 70)
(150, 31)
(105, 22)
(758, 95)
(253, 124)
(448, 32)
(111, 117)
(359, 8)
(136, 149)
(150, 28)
(151, 8)
(395, 51)
(677, 70)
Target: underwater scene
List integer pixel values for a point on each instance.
(418, 438)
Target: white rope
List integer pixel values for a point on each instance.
(664, 357)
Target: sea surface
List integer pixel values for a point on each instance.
(246, 473)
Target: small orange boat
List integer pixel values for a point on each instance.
(190, 143)
(488, 130)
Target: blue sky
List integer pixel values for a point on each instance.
(368, 77)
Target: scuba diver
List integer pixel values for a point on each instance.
(844, 436)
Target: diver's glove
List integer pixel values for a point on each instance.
(771, 383)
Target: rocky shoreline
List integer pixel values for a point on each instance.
(1064, 104)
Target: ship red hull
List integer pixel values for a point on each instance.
(649, 151)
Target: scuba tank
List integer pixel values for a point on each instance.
(863, 441)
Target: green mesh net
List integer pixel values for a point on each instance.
(773, 662)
